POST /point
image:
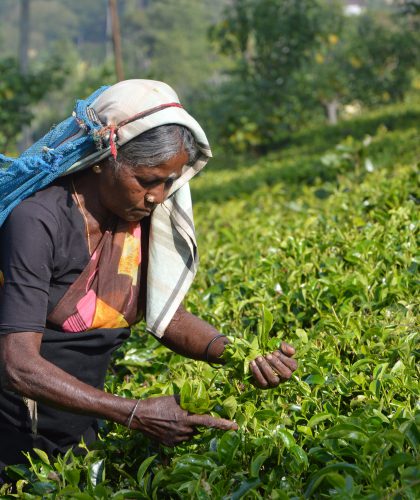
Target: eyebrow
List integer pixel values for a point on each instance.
(172, 177)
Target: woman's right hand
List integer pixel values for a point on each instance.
(163, 419)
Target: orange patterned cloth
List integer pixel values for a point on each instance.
(106, 294)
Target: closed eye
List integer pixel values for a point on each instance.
(149, 184)
(169, 182)
(155, 182)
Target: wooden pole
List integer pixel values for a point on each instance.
(24, 33)
(109, 51)
(24, 27)
(116, 39)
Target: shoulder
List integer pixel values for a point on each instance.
(46, 207)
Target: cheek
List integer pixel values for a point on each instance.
(121, 193)
(128, 195)
(133, 194)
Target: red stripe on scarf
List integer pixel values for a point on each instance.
(112, 142)
(148, 112)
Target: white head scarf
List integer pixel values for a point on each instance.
(127, 109)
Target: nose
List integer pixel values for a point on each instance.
(156, 195)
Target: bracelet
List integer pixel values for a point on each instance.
(206, 352)
(131, 416)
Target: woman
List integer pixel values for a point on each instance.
(98, 234)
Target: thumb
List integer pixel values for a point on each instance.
(209, 421)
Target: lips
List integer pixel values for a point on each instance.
(139, 210)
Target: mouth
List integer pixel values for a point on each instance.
(137, 214)
(142, 211)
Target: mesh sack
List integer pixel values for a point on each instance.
(74, 138)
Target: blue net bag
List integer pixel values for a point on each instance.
(71, 140)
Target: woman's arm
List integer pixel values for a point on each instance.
(189, 335)
(25, 371)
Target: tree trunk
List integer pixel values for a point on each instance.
(24, 27)
(24, 32)
(116, 39)
(24, 36)
(331, 108)
(108, 43)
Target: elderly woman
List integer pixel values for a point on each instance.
(98, 233)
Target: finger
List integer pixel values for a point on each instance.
(183, 438)
(189, 429)
(287, 349)
(283, 365)
(259, 379)
(289, 362)
(209, 421)
(174, 438)
(267, 371)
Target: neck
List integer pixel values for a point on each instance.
(85, 184)
(86, 196)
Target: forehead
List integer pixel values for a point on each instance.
(171, 168)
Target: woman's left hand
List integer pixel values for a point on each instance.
(272, 369)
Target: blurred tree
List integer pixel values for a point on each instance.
(409, 7)
(269, 40)
(81, 23)
(24, 34)
(167, 40)
(116, 38)
(24, 31)
(81, 79)
(295, 60)
(18, 93)
(365, 58)
(387, 51)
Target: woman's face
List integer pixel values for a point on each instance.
(128, 191)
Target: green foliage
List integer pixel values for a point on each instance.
(242, 350)
(366, 59)
(254, 71)
(81, 79)
(83, 24)
(315, 245)
(158, 47)
(19, 93)
(296, 62)
(268, 40)
(164, 40)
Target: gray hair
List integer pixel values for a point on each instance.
(157, 146)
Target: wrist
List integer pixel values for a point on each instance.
(130, 417)
(215, 348)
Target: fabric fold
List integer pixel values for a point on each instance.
(106, 120)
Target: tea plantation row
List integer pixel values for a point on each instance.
(322, 237)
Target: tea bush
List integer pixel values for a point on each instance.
(315, 245)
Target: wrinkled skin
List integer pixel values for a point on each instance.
(164, 420)
(272, 369)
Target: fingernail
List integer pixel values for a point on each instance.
(269, 356)
(260, 358)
